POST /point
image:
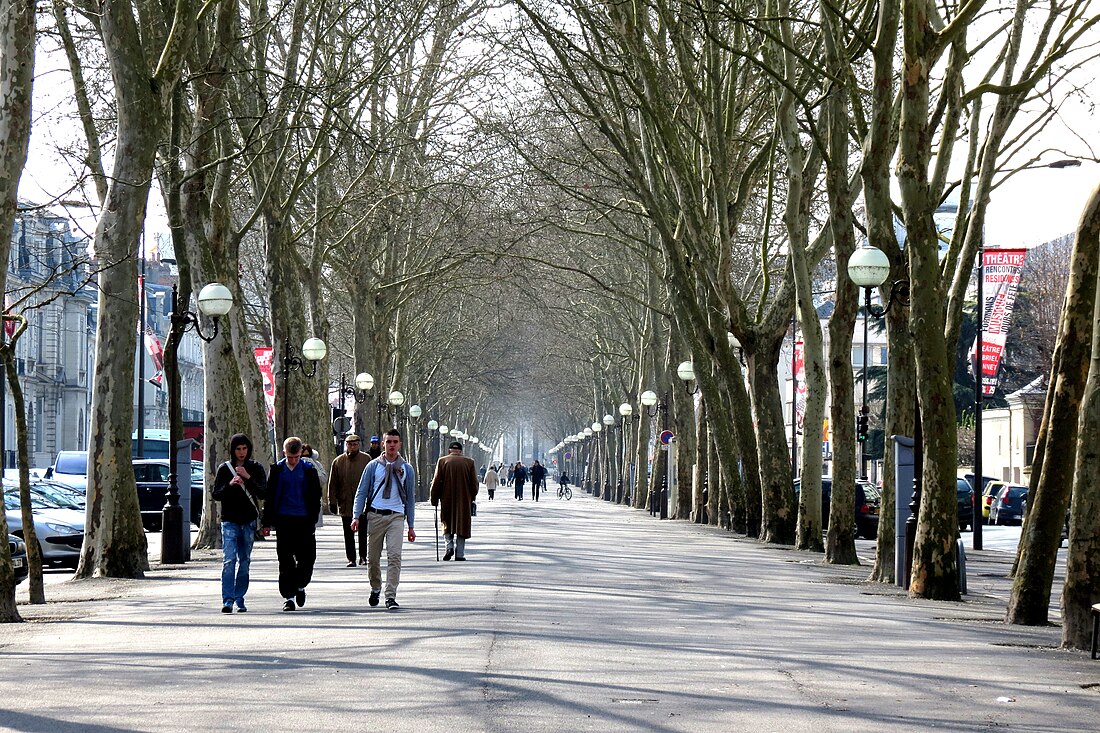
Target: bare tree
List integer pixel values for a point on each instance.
(17, 34)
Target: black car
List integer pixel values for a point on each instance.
(1008, 506)
(965, 496)
(18, 558)
(868, 500)
(152, 486)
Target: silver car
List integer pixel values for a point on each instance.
(60, 531)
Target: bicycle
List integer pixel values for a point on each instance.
(564, 492)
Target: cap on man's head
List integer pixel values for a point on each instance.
(351, 438)
(455, 446)
(374, 438)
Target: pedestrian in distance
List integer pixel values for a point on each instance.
(492, 481)
(347, 469)
(454, 489)
(538, 479)
(374, 450)
(313, 458)
(240, 484)
(292, 508)
(519, 478)
(384, 501)
(511, 473)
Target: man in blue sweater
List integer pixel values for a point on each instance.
(293, 504)
(385, 499)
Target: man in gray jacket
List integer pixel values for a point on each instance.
(385, 500)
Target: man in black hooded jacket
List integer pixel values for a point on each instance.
(239, 485)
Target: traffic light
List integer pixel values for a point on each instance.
(861, 427)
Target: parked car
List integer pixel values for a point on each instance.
(152, 486)
(1008, 507)
(988, 495)
(18, 558)
(70, 468)
(60, 531)
(867, 503)
(965, 495)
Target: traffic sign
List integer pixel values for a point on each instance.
(666, 437)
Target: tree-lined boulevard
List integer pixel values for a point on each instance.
(568, 616)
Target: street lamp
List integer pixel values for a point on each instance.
(215, 300)
(869, 267)
(363, 384)
(609, 423)
(686, 372)
(626, 412)
(656, 407)
(313, 350)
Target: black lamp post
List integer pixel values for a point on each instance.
(612, 428)
(364, 382)
(626, 413)
(868, 268)
(654, 408)
(313, 350)
(215, 301)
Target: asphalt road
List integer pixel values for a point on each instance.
(568, 616)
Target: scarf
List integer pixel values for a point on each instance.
(394, 469)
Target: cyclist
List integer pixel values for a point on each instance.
(563, 486)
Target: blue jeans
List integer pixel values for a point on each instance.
(237, 546)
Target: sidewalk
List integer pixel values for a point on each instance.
(569, 616)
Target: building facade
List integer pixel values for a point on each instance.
(47, 282)
(51, 281)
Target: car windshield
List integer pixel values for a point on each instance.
(72, 463)
(11, 501)
(1014, 493)
(47, 496)
(872, 493)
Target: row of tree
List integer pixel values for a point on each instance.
(537, 211)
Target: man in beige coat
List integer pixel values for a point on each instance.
(343, 480)
(454, 488)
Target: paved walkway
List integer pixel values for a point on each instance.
(569, 616)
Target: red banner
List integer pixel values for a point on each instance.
(1001, 270)
(802, 390)
(265, 356)
(156, 353)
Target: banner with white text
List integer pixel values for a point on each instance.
(1001, 270)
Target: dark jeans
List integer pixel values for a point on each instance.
(519, 490)
(535, 487)
(349, 540)
(296, 547)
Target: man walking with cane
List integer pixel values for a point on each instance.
(454, 488)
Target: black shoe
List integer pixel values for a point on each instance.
(461, 558)
(288, 605)
(241, 609)
(351, 564)
(373, 600)
(300, 597)
(227, 608)
(391, 603)
(448, 554)
(362, 561)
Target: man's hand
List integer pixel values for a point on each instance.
(242, 473)
(355, 525)
(412, 535)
